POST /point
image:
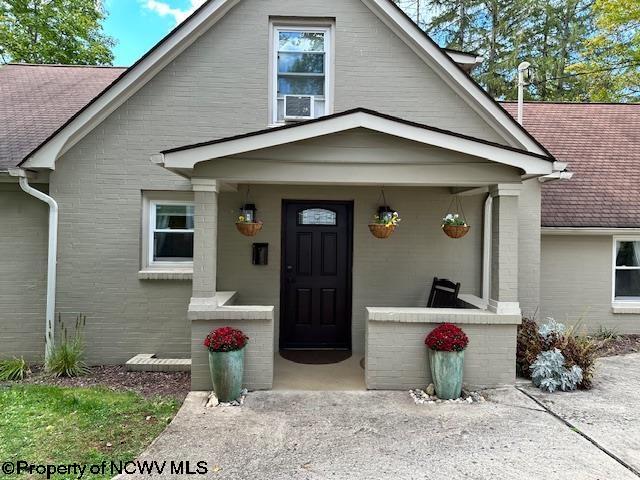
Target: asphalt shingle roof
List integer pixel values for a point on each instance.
(35, 100)
(600, 142)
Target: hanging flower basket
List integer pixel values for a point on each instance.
(385, 221)
(248, 229)
(247, 223)
(456, 231)
(380, 230)
(454, 223)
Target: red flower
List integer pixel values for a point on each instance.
(447, 338)
(225, 339)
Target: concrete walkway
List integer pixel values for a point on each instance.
(369, 435)
(610, 412)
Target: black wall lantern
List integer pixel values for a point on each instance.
(385, 212)
(249, 212)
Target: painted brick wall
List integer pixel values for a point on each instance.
(397, 358)
(529, 248)
(258, 361)
(576, 283)
(217, 88)
(23, 273)
(397, 271)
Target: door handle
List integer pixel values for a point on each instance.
(290, 276)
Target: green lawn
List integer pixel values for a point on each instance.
(61, 425)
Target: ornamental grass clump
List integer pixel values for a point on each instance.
(225, 339)
(447, 338)
(67, 356)
(14, 369)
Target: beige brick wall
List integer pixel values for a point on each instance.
(397, 271)
(529, 247)
(396, 356)
(258, 360)
(23, 273)
(211, 91)
(576, 283)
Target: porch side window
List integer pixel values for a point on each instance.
(171, 232)
(626, 270)
(300, 68)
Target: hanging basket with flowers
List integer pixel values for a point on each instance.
(454, 223)
(385, 221)
(247, 222)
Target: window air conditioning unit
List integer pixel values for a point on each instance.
(298, 107)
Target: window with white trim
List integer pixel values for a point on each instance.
(626, 271)
(170, 233)
(300, 67)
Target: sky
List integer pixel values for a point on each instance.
(137, 25)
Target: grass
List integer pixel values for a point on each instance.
(62, 425)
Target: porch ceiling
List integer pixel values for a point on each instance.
(358, 146)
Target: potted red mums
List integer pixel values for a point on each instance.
(226, 361)
(446, 345)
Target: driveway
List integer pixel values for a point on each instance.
(369, 435)
(609, 413)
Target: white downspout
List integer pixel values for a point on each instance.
(486, 248)
(51, 255)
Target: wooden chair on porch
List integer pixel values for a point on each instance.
(444, 294)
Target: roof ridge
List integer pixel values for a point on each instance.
(554, 102)
(114, 67)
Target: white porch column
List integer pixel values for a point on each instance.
(205, 243)
(504, 249)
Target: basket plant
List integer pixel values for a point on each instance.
(248, 228)
(446, 345)
(454, 225)
(384, 223)
(226, 361)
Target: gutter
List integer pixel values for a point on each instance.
(51, 254)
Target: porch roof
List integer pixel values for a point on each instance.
(183, 159)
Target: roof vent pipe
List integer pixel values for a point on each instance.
(524, 76)
(51, 255)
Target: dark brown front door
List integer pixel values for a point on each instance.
(316, 274)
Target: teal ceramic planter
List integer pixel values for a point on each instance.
(226, 370)
(446, 373)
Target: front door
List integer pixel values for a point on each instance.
(315, 307)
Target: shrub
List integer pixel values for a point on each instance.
(577, 350)
(550, 373)
(529, 346)
(67, 356)
(447, 338)
(225, 339)
(13, 369)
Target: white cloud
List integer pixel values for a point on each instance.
(164, 9)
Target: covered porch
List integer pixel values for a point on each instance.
(346, 159)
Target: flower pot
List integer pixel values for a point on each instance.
(226, 370)
(456, 231)
(249, 229)
(446, 373)
(380, 230)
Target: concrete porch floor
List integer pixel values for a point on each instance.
(343, 376)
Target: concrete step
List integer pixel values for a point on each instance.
(147, 362)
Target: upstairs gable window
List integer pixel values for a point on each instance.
(301, 70)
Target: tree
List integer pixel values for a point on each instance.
(551, 34)
(54, 31)
(611, 64)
